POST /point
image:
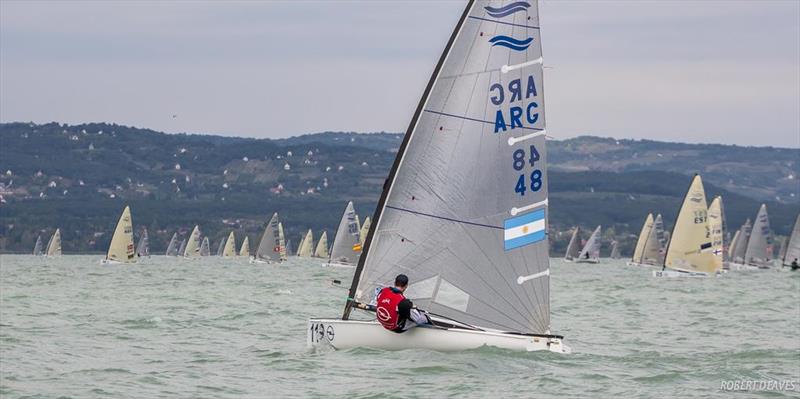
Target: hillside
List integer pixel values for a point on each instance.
(79, 177)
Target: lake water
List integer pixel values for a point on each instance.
(168, 327)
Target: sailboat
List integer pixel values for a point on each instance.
(792, 254)
(690, 251)
(271, 248)
(221, 246)
(715, 222)
(591, 251)
(230, 246)
(573, 248)
(615, 250)
(322, 246)
(282, 243)
(732, 245)
(121, 248)
(192, 249)
(756, 254)
(740, 246)
(364, 229)
(205, 247)
(306, 249)
(182, 248)
(143, 250)
(654, 245)
(464, 209)
(346, 247)
(54, 245)
(245, 250)
(638, 252)
(172, 248)
(38, 250)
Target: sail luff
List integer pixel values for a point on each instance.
(121, 247)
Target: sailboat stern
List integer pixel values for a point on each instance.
(347, 334)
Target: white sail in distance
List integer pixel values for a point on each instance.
(346, 246)
(221, 247)
(143, 249)
(230, 246)
(306, 249)
(573, 248)
(793, 246)
(121, 247)
(760, 238)
(591, 250)
(271, 245)
(464, 209)
(205, 247)
(172, 247)
(54, 245)
(192, 249)
(644, 234)
(321, 251)
(38, 249)
(245, 250)
(365, 229)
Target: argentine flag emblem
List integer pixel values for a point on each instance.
(523, 230)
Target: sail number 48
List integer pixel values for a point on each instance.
(518, 158)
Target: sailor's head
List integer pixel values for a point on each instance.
(401, 282)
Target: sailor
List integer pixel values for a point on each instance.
(795, 266)
(395, 312)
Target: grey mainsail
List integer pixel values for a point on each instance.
(205, 247)
(573, 248)
(793, 247)
(464, 209)
(732, 245)
(615, 250)
(592, 248)
(271, 244)
(741, 244)
(654, 245)
(182, 248)
(221, 246)
(143, 249)
(172, 248)
(346, 246)
(760, 237)
(38, 250)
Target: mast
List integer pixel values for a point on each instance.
(387, 185)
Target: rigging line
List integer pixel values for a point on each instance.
(478, 120)
(504, 23)
(443, 218)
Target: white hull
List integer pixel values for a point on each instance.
(337, 264)
(637, 264)
(113, 262)
(346, 334)
(593, 260)
(680, 274)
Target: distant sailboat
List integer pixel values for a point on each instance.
(733, 244)
(306, 249)
(38, 249)
(365, 229)
(322, 246)
(655, 246)
(221, 246)
(192, 249)
(143, 249)
(792, 254)
(230, 247)
(689, 253)
(205, 247)
(591, 251)
(715, 224)
(574, 246)
(644, 235)
(172, 248)
(182, 248)
(54, 245)
(347, 244)
(121, 248)
(245, 250)
(615, 250)
(756, 255)
(271, 248)
(282, 243)
(463, 211)
(740, 247)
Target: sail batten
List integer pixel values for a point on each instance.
(464, 210)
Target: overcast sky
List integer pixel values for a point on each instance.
(713, 71)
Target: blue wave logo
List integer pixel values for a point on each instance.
(510, 42)
(508, 9)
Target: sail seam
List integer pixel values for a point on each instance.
(476, 120)
(504, 23)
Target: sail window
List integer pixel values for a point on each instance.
(422, 289)
(451, 296)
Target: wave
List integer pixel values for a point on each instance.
(508, 9)
(510, 42)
